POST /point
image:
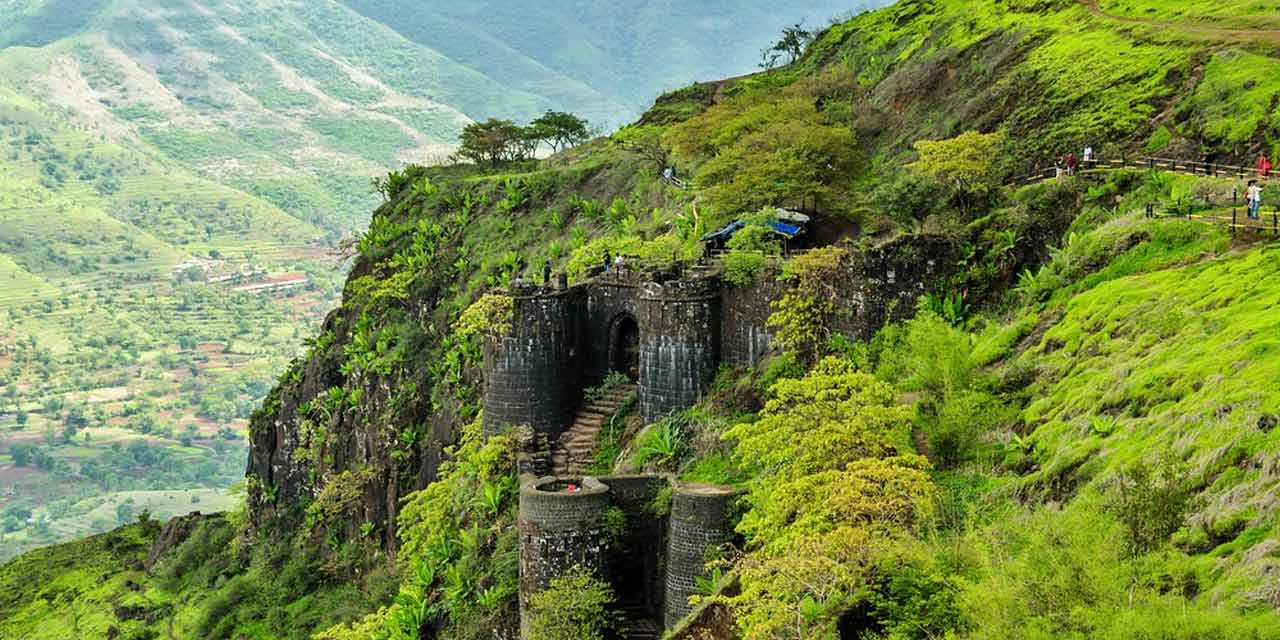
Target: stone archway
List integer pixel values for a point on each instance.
(624, 346)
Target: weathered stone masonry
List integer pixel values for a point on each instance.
(653, 567)
(701, 519)
(564, 338)
(532, 377)
(560, 531)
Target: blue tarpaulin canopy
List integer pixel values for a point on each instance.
(784, 223)
(782, 228)
(724, 234)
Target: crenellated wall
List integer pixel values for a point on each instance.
(607, 301)
(563, 339)
(745, 339)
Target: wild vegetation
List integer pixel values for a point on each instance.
(1072, 437)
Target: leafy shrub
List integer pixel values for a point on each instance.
(576, 606)
(612, 380)
(910, 197)
(750, 253)
(459, 543)
(805, 317)
(1151, 501)
(834, 434)
(758, 150)
(665, 444)
(786, 366)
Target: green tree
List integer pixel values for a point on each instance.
(645, 141)
(492, 142)
(22, 454)
(805, 317)
(833, 493)
(795, 39)
(966, 162)
(756, 153)
(1152, 501)
(560, 130)
(577, 606)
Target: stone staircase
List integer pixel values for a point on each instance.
(573, 454)
(638, 624)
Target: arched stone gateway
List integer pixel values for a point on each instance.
(624, 346)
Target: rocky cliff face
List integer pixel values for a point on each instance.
(340, 447)
(365, 417)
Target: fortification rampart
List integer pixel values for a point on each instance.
(653, 563)
(701, 520)
(671, 334)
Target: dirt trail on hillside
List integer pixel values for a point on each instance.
(1271, 36)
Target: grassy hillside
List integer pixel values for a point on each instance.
(1073, 438)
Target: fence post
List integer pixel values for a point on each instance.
(1233, 223)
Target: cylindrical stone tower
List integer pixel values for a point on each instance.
(560, 530)
(701, 518)
(679, 344)
(530, 374)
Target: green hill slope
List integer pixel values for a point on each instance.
(1072, 438)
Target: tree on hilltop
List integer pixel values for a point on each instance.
(795, 39)
(559, 130)
(492, 142)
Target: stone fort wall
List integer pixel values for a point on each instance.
(564, 338)
(653, 566)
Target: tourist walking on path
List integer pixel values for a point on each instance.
(1264, 167)
(1088, 154)
(1072, 163)
(1254, 198)
(1059, 167)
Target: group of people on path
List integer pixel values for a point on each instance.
(1070, 164)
